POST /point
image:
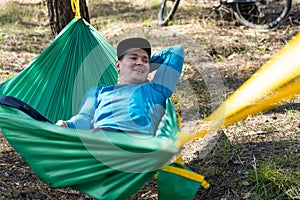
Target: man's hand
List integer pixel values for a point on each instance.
(62, 123)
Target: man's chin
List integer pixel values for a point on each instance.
(138, 81)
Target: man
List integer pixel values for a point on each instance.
(134, 104)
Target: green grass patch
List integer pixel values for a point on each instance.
(275, 179)
(14, 13)
(24, 28)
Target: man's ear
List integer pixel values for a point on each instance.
(117, 65)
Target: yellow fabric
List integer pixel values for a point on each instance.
(179, 158)
(273, 84)
(187, 174)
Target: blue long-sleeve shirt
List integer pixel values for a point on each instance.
(132, 107)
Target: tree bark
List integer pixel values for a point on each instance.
(60, 14)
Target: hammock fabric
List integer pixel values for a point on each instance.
(55, 82)
(104, 165)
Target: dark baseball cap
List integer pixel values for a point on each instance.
(130, 43)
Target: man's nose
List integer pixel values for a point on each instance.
(139, 61)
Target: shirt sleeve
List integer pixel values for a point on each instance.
(84, 119)
(169, 62)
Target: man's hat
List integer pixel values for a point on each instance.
(130, 43)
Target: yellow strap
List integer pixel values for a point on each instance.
(270, 86)
(75, 8)
(187, 174)
(179, 158)
(182, 138)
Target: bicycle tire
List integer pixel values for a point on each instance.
(165, 15)
(247, 13)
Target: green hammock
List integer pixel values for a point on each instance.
(103, 165)
(55, 81)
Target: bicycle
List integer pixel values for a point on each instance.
(259, 14)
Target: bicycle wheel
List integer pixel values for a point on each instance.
(262, 14)
(167, 11)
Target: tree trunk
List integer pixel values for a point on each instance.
(60, 14)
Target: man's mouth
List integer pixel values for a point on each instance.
(139, 70)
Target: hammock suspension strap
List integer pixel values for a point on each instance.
(75, 8)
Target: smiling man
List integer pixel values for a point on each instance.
(134, 104)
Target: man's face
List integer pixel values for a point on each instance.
(134, 67)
